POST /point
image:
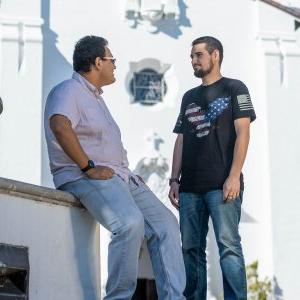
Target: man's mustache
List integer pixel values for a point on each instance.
(194, 66)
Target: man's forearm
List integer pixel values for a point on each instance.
(177, 157)
(239, 154)
(231, 186)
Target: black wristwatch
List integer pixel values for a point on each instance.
(89, 166)
(173, 180)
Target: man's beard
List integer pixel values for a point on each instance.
(200, 73)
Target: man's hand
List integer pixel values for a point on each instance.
(174, 194)
(231, 188)
(100, 172)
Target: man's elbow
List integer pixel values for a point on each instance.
(59, 125)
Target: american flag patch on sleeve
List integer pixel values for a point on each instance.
(244, 102)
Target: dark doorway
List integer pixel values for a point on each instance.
(145, 290)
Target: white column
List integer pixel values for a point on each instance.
(21, 92)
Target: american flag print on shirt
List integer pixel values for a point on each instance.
(244, 102)
(201, 119)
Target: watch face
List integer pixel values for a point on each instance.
(91, 164)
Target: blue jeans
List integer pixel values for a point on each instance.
(195, 210)
(130, 211)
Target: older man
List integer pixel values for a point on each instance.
(87, 159)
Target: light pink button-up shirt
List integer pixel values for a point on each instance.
(98, 133)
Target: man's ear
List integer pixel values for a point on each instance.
(98, 63)
(216, 55)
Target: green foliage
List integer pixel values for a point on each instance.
(257, 289)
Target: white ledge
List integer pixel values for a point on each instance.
(37, 193)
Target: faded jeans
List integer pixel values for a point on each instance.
(195, 210)
(130, 211)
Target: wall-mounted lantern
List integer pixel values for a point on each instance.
(151, 10)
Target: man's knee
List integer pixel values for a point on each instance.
(229, 245)
(133, 226)
(170, 227)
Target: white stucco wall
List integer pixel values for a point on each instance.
(128, 44)
(63, 243)
(21, 90)
(281, 66)
(284, 128)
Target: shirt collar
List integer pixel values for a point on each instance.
(87, 84)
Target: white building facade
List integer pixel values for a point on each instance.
(262, 48)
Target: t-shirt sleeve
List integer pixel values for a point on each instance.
(241, 103)
(180, 123)
(62, 101)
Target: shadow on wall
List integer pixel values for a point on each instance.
(55, 69)
(170, 27)
(86, 264)
(1, 106)
(278, 292)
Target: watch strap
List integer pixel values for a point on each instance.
(89, 166)
(171, 180)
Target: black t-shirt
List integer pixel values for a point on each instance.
(206, 121)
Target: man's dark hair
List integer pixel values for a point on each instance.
(211, 45)
(87, 49)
